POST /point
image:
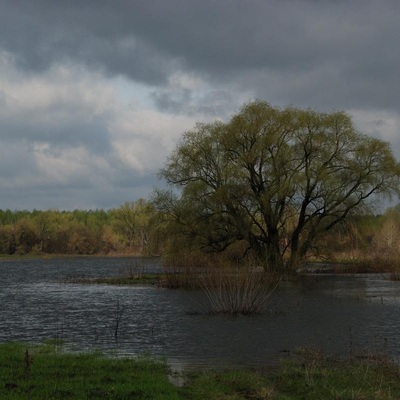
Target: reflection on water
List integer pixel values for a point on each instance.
(340, 314)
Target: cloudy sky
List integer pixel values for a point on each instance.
(94, 94)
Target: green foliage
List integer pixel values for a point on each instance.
(131, 228)
(7, 240)
(136, 224)
(274, 178)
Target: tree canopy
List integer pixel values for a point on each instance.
(274, 179)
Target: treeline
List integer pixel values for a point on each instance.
(129, 229)
(140, 228)
(368, 238)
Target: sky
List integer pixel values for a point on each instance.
(95, 94)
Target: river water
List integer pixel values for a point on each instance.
(339, 314)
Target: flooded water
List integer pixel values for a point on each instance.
(339, 314)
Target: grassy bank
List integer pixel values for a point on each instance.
(38, 372)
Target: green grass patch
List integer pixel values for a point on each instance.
(40, 372)
(234, 384)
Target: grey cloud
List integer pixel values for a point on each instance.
(326, 54)
(222, 41)
(46, 127)
(3, 99)
(212, 103)
(16, 161)
(207, 35)
(76, 196)
(25, 186)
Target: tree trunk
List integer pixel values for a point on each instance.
(273, 254)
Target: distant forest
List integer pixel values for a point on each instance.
(129, 229)
(139, 228)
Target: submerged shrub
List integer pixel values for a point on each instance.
(231, 287)
(231, 290)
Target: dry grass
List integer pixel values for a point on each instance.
(180, 270)
(376, 263)
(384, 264)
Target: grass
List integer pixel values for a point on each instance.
(39, 372)
(318, 377)
(145, 279)
(313, 377)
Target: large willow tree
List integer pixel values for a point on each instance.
(274, 179)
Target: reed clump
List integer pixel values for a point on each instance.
(237, 290)
(230, 287)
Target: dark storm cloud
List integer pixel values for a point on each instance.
(333, 52)
(129, 37)
(99, 34)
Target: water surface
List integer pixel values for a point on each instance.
(339, 314)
